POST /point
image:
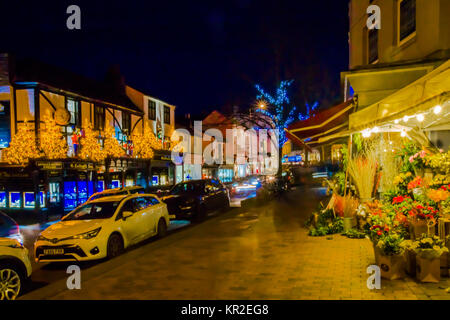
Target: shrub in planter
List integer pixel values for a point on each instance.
(391, 259)
(429, 251)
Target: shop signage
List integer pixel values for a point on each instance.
(49, 165)
(81, 166)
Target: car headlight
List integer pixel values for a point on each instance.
(87, 235)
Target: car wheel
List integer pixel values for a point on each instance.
(115, 245)
(11, 281)
(162, 228)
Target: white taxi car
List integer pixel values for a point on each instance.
(15, 268)
(102, 228)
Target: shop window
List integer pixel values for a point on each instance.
(90, 185)
(28, 200)
(407, 19)
(42, 199)
(166, 114)
(2, 199)
(151, 110)
(373, 45)
(129, 182)
(99, 118)
(115, 184)
(14, 199)
(155, 180)
(82, 192)
(54, 192)
(100, 186)
(70, 194)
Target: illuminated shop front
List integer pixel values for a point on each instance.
(225, 174)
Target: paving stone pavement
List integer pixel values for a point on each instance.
(257, 253)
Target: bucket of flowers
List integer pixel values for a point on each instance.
(420, 215)
(391, 259)
(429, 250)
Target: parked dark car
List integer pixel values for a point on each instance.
(9, 228)
(194, 199)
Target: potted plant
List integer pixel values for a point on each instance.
(429, 250)
(391, 260)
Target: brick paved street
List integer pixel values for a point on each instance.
(257, 253)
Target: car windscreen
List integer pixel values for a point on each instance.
(187, 188)
(97, 210)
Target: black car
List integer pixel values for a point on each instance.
(194, 199)
(8, 227)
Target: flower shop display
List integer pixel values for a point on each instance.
(350, 204)
(429, 251)
(326, 223)
(391, 259)
(401, 213)
(410, 257)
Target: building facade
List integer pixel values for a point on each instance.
(398, 72)
(31, 92)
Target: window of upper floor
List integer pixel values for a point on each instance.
(151, 110)
(126, 122)
(74, 108)
(406, 20)
(166, 114)
(99, 118)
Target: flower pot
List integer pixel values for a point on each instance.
(349, 223)
(428, 270)
(410, 257)
(392, 267)
(417, 228)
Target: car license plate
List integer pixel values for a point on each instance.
(53, 251)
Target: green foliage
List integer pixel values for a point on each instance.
(391, 244)
(344, 151)
(389, 195)
(358, 140)
(327, 224)
(408, 149)
(355, 234)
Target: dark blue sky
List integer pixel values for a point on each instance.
(198, 55)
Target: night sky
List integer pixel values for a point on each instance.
(198, 55)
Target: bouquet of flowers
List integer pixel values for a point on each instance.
(402, 180)
(391, 244)
(429, 247)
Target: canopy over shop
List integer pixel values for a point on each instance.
(318, 129)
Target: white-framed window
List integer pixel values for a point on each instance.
(406, 20)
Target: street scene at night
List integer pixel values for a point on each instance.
(242, 151)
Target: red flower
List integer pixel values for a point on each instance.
(379, 232)
(398, 199)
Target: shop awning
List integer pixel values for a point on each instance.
(414, 103)
(328, 122)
